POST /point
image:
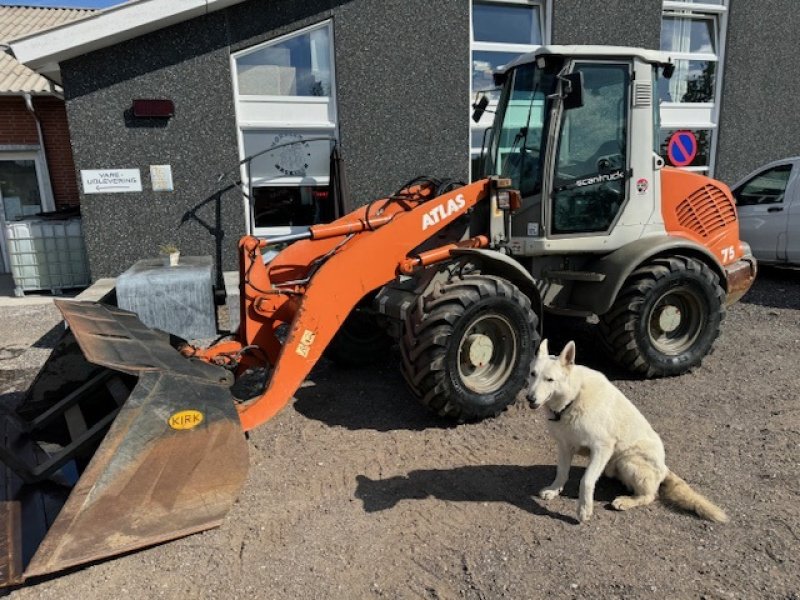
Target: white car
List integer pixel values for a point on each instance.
(768, 202)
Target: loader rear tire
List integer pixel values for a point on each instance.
(468, 346)
(666, 317)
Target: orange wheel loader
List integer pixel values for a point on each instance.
(128, 438)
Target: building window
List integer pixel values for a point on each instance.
(501, 31)
(285, 99)
(693, 33)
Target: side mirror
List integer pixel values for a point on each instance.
(479, 108)
(572, 90)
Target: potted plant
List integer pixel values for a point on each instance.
(171, 254)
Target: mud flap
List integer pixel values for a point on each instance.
(120, 443)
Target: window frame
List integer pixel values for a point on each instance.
(699, 115)
(544, 8)
(304, 115)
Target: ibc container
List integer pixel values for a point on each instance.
(47, 255)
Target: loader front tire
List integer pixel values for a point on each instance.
(666, 317)
(467, 347)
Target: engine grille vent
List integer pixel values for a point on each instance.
(706, 211)
(642, 93)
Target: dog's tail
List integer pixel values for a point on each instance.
(677, 491)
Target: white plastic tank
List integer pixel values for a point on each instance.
(47, 254)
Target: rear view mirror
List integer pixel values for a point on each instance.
(572, 90)
(479, 108)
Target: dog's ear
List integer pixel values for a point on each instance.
(567, 356)
(543, 352)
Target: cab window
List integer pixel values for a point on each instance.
(591, 167)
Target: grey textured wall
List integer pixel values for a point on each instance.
(402, 76)
(187, 63)
(758, 115)
(608, 22)
(403, 70)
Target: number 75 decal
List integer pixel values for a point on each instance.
(728, 254)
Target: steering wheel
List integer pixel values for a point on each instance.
(608, 162)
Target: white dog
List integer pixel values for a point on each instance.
(588, 414)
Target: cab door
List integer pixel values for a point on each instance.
(591, 165)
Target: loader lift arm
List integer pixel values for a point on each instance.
(315, 283)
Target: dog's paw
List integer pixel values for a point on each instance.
(549, 493)
(621, 503)
(585, 513)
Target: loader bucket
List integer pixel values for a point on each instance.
(120, 443)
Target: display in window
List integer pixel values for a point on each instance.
(296, 155)
(292, 206)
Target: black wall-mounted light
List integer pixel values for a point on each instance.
(153, 108)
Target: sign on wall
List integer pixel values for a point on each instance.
(682, 148)
(111, 181)
(161, 178)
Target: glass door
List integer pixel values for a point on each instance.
(20, 193)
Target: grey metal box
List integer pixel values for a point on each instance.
(179, 299)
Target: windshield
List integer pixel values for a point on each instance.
(517, 147)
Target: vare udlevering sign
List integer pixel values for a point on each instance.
(111, 181)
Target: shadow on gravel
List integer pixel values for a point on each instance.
(364, 399)
(49, 339)
(590, 351)
(512, 484)
(377, 397)
(775, 288)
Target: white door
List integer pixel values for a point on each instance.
(24, 191)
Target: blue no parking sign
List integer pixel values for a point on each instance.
(682, 148)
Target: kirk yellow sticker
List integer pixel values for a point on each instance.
(186, 419)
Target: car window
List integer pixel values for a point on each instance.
(765, 188)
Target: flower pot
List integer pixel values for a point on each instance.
(172, 259)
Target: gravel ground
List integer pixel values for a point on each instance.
(355, 492)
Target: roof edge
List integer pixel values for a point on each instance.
(44, 51)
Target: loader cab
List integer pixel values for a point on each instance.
(575, 135)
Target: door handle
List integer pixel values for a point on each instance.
(775, 209)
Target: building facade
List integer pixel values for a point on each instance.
(391, 82)
(37, 172)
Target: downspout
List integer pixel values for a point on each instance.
(40, 133)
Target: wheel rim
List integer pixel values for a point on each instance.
(487, 353)
(676, 320)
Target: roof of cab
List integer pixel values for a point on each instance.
(587, 51)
